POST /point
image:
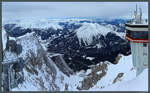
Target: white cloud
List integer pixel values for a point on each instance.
(69, 9)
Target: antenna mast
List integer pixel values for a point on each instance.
(138, 17)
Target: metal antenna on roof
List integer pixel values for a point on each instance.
(140, 14)
(138, 17)
(136, 9)
(135, 12)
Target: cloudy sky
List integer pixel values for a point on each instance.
(72, 9)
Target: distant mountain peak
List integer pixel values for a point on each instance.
(88, 31)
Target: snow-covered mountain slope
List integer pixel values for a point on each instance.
(88, 32)
(140, 83)
(122, 77)
(124, 68)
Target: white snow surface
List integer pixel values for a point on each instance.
(140, 83)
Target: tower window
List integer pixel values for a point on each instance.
(145, 44)
(144, 54)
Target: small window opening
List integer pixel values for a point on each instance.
(145, 44)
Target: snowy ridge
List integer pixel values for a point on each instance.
(90, 30)
(41, 23)
(112, 27)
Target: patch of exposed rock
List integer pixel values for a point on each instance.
(118, 78)
(96, 74)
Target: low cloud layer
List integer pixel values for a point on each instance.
(70, 9)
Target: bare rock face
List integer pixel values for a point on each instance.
(118, 78)
(34, 66)
(61, 64)
(66, 87)
(97, 73)
(117, 59)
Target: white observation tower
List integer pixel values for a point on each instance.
(137, 34)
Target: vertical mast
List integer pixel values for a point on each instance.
(135, 14)
(136, 9)
(140, 15)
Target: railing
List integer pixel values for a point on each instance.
(132, 21)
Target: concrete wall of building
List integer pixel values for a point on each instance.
(140, 56)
